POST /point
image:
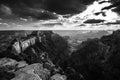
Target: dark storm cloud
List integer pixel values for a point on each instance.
(59, 6)
(115, 5)
(67, 6)
(39, 8)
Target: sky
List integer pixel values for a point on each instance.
(18, 10)
(35, 7)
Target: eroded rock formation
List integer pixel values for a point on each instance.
(31, 55)
(44, 55)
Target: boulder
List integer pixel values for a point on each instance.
(58, 77)
(8, 67)
(32, 72)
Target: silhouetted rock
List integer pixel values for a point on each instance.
(96, 59)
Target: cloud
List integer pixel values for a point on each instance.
(59, 6)
(5, 10)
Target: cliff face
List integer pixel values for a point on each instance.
(35, 48)
(43, 55)
(26, 43)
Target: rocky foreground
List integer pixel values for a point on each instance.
(44, 55)
(30, 55)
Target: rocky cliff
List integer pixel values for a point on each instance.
(43, 55)
(31, 55)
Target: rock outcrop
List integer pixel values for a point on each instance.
(28, 44)
(8, 67)
(32, 72)
(12, 70)
(44, 56)
(58, 77)
(31, 55)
